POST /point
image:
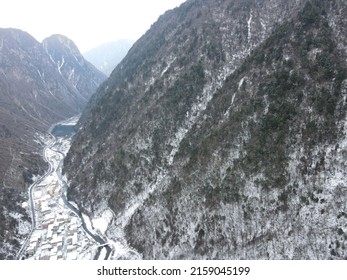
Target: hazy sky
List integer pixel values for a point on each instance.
(88, 23)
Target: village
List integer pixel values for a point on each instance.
(58, 233)
(59, 230)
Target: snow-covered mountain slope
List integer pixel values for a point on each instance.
(222, 134)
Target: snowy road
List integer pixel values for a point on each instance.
(59, 230)
(31, 199)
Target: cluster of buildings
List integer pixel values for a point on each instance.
(58, 234)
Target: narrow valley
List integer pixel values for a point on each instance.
(221, 135)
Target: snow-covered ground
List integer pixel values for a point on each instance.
(58, 232)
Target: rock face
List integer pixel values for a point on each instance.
(107, 56)
(78, 72)
(222, 134)
(39, 84)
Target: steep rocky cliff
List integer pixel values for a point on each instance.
(40, 84)
(222, 134)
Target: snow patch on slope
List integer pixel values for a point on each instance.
(101, 223)
(249, 22)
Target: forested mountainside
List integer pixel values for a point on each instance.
(222, 134)
(40, 84)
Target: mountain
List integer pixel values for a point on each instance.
(40, 84)
(222, 134)
(75, 69)
(107, 56)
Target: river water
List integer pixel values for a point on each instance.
(63, 130)
(58, 228)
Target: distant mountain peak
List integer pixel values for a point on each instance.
(62, 40)
(106, 56)
(17, 36)
(58, 41)
(70, 63)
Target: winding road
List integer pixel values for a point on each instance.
(97, 238)
(49, 145)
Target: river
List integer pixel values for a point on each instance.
(59, 230)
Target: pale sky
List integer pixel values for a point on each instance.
(88, 23)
